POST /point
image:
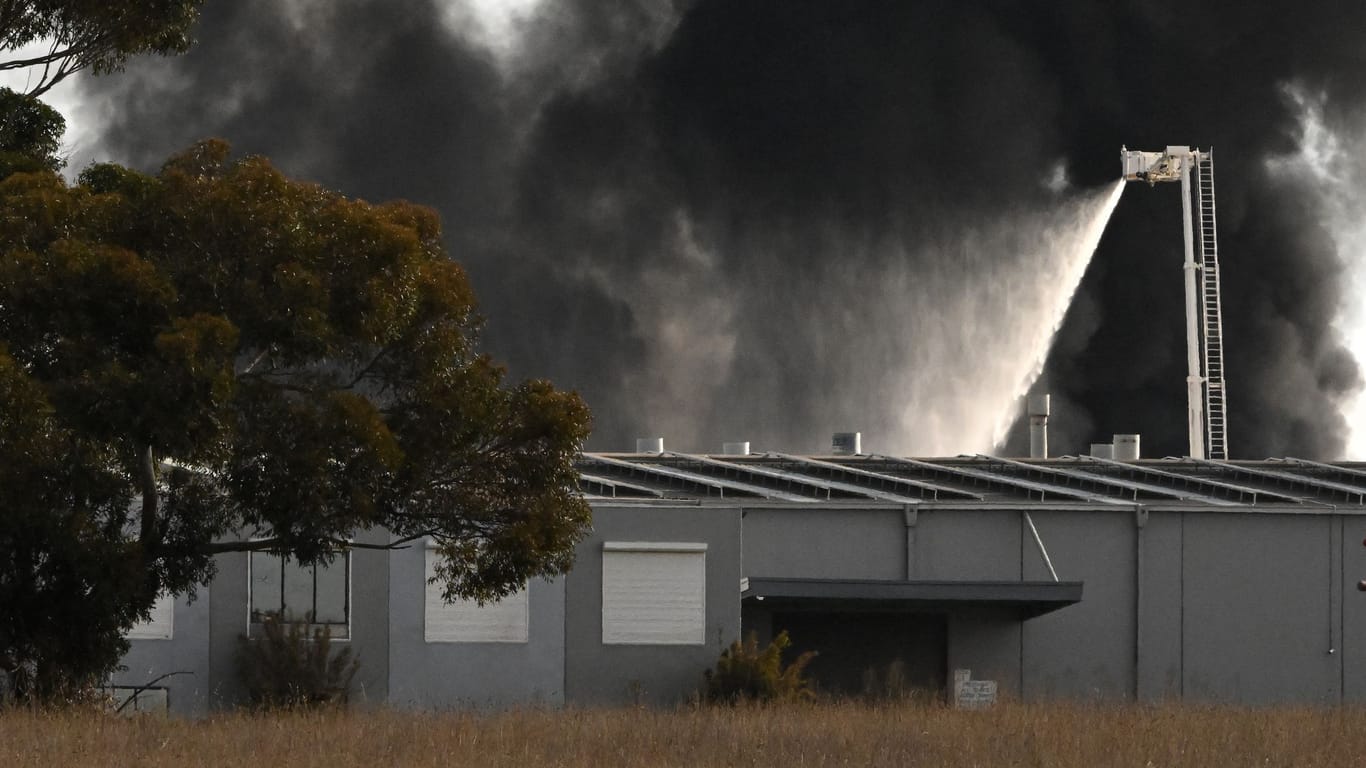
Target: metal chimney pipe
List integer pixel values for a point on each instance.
(1038, 426)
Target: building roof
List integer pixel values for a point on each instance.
(1071, 481)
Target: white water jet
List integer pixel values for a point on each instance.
(928, 347)
(993, 324)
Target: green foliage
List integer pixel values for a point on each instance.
(288, 666)
(30, 134)
(98, 35)
(219, 351)
(746, 672)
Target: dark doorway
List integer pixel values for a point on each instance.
(875, 654)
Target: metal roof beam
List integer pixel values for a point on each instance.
(1128, 488)
(1345, 492)
(1031, 489)
(613, 485)
(1157, 490)
(1241, 493)
(820, 486)
(1340, 471)
(934, 491)
(670, 473)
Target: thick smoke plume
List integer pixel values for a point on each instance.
(724, 220)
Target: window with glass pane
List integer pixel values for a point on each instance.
(315, 594)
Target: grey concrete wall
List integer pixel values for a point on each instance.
(599, 674)
(1158, 633)
(825, 543)
(965, 544)
(1231, 607)
(1257, 609)
(1352, 629)
(1083, 651)
(370, 619)
(187, 651)
(988, 645)
(426, 675)
(227, 623)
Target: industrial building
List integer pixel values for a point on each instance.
(1080, 577)
(1107, 576)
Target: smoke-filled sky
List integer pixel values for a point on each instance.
(775, 219)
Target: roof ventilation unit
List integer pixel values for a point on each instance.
(649, 445)
(847, 443)
(740, 448)
(1126, 447)
(1102, 450)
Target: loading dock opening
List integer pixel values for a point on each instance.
(874, 635)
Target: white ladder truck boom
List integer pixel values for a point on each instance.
(1206, 410)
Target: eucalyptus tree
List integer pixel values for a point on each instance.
(217, 358)
(54, 39)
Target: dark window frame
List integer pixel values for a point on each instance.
(255, 617)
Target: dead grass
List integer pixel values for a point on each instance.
(818, 734)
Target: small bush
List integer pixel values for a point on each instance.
(747, 673)
(289, 667)
(893, 683)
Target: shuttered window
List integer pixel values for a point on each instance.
(465, 621)
(654, 593)
(160, 626)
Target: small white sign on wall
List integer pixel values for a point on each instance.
(972, 694)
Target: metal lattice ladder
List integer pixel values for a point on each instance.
(1212, 325)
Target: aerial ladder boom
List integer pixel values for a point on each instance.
(1206, 407)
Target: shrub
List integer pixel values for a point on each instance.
(893, 683)
(747, 673)
(288, 666)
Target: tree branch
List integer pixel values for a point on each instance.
(51, 56)
(257, 361)
(368, 366)
(221, 547)
(147, 476)
(139, 689)
(273, 544)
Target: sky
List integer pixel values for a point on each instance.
(771, 221)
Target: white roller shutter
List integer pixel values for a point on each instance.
(160, 626)
(465, 621)
(654, 593)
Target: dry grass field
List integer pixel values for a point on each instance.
(826, 734)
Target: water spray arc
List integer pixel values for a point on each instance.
(1206, 402)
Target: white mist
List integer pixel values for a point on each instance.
(994, 323)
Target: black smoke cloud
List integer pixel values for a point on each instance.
(695, 213)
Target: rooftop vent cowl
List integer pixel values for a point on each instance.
(1126, 448)
(846, 443)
